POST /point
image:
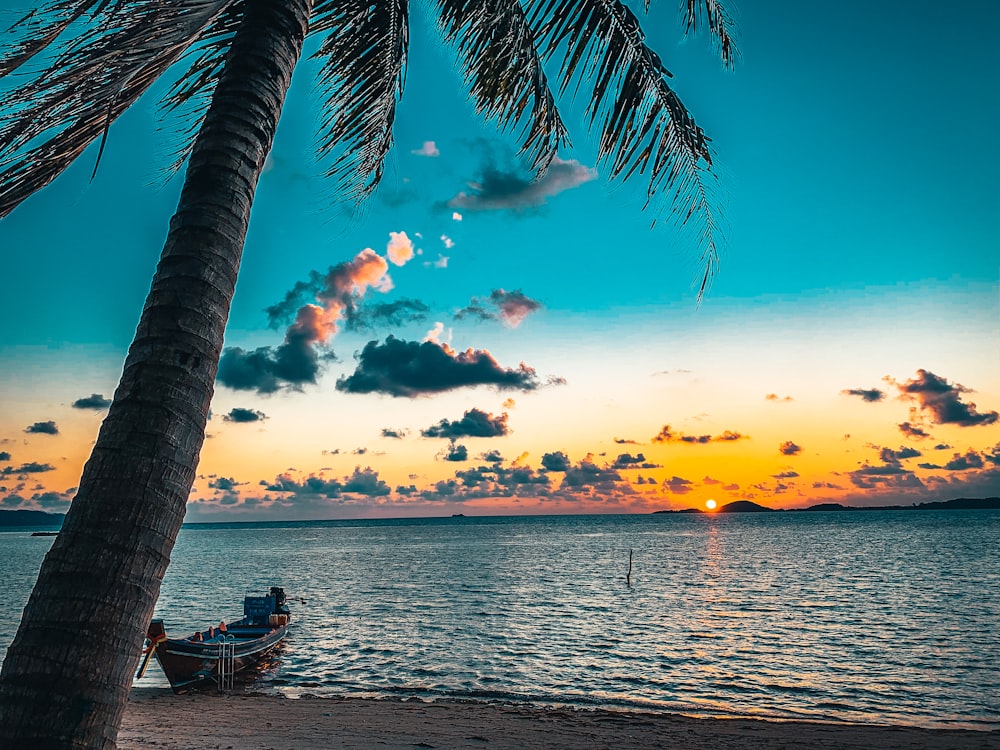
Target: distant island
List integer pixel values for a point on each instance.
(961, 503)
(23, 518)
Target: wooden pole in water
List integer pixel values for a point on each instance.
(628, 576)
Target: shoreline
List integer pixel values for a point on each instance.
(155, 717)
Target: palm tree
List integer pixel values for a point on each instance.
(66, 676)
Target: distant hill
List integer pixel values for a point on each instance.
(744, 506)
(961, 503)
(22, 518)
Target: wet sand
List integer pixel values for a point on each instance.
(156, 718)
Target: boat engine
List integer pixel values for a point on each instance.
(280, 600)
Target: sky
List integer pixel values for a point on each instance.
(475, 341)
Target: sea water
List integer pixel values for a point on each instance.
(852, 616)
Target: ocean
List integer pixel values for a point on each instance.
(867, 616)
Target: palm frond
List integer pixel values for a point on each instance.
(364, 52)
(504, 73)
(644, 126)
(721, 26)
(50, 119)
(190, 95)
(39, 28)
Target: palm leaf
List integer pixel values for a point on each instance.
(644, 127)
(497, 49)
(362, 76)
(189, 96)
(38, 29)
(114, 58)
(721, 26)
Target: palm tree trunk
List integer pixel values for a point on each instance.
(67, 674)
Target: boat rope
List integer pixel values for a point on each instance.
(148, 653)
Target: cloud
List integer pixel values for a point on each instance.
(628, 461)
(943, 400)
(394, 314)
(912, 431)
(241, 415)
(224, 484)
(429, 148)
(27, 468)
(409, 369)
(888, 455)
(338, 292)
(4, 456)
(456, 453)
(474, 423)
(93, 401)
(510, 189)
(677, 485)
(666, 435)
(510, 307)
(959, 462)
(366, 482)
(362, 482)
(865, 394)
(388, 432)
(788, 448)
(400, 248)
(589, 474)
(42, 428)
(556, 461)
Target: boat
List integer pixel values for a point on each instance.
(215, 655)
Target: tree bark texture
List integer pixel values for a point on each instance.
(66, 676)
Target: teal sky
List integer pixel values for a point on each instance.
(857, 160)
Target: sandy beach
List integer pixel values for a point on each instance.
(156, 718)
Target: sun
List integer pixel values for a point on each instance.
(710, 504)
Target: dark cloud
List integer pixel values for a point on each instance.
(888, 455)
(226, 484)
(788, 448)
(241, 415)
(556, 461)
(383, 315)
(312, 485)
(510, 307)
(4, 456)
(42, 428)
(786, 475)
(297, 361)
(94, 401)
(666, 435)
(625, 441)
(866, 394)
(456, 453)
(589, 474)
(366, 482)
(492, 457)
(388, 432)
(628, 461)
(475, 423)
(677, 485)
(362, 482)
(409, 369)
(506, 188)
(27, 468)
(912, 431)
(944, 400)
(959, 462)
(268, 369)
(886, 476)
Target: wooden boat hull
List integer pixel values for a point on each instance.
(215, 656)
